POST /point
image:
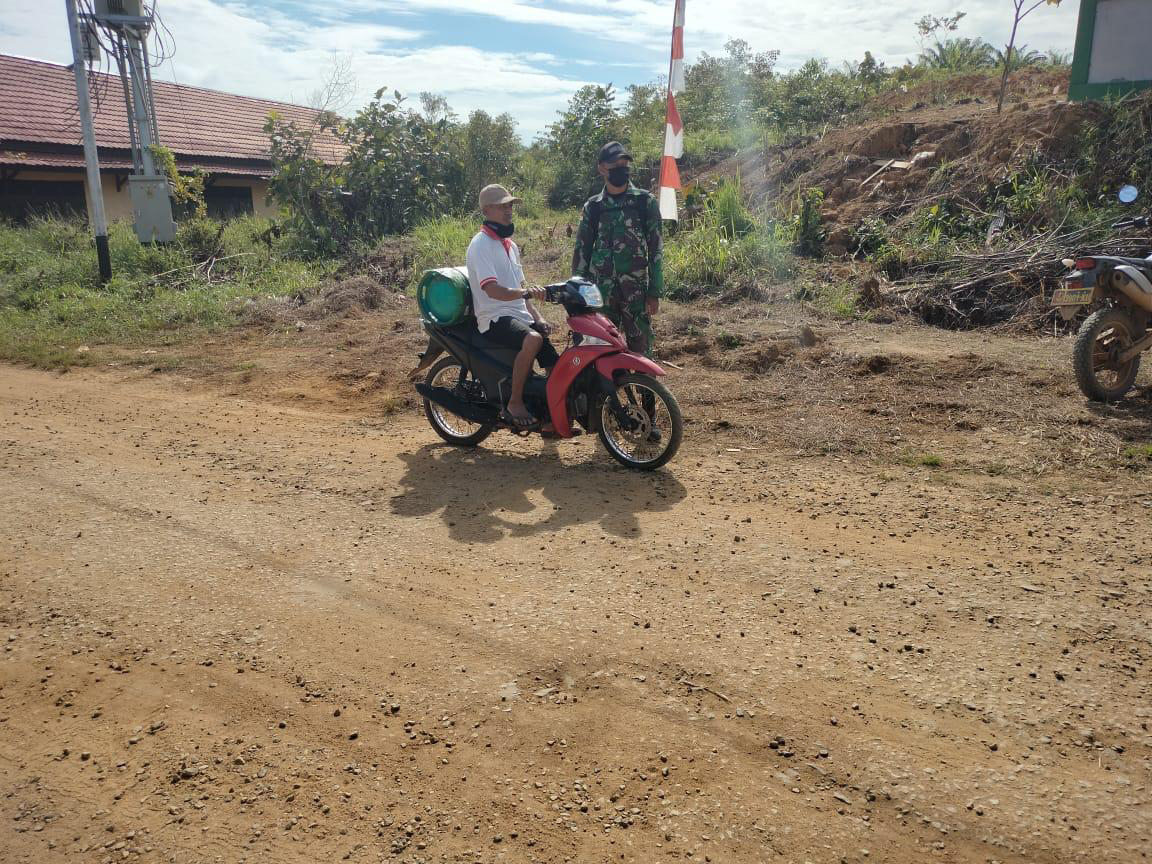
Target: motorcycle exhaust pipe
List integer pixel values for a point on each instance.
(1131, 289)
(470, 411)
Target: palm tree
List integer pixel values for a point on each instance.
(958, 55)
(1022, 58)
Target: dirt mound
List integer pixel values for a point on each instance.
(950, 117)
(898, 189)
(974, 88)
(353, 293)
(391, 263)
(357, 293)
(889, 169)
(718, 348)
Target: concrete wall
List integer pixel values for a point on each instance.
(118, 204)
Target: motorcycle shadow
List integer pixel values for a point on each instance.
(1134, 410)
(487, 495)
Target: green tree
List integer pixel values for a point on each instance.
(435, 107)
(811, 97)
(574, 140)
(1056, 57)
(1022, 58)
(959, 55)
(930, 25)
(868, 71)
(723, 92)
(490, 151)
(644, 117)
(392, 175)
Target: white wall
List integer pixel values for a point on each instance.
(1122, 46)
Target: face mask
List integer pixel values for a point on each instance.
(620, 175)
(501, 231)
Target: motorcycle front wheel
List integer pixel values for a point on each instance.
(1103, 336)
(640, 425)
(449, 374)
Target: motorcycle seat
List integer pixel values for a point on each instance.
(1142, 263)
(470, 339)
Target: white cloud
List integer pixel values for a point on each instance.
(284, 52)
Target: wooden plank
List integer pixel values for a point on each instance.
(877, 172)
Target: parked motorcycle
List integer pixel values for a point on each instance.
(1106, 356)
(598, 385)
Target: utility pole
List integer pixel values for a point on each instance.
(127, 23)
(91, 162)
(140, 110)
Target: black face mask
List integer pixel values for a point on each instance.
(501, 231)
(620, 175)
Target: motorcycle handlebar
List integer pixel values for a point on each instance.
(1133, 222)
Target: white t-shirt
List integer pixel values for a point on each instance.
(491, 259)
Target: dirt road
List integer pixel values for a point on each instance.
(240, 632)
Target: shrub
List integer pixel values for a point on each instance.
(724, 246)
(807, 227)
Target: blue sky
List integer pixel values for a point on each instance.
(525, 57)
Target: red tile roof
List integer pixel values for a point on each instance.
(206, 127)
(121, 161)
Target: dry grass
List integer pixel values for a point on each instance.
(997, 404)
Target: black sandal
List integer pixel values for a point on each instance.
(519, 424)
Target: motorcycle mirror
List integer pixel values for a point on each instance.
(1128, 194)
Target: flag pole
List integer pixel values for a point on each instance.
(669, 180)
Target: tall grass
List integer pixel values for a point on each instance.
(52, 302)
(443, 242)
(726, 246)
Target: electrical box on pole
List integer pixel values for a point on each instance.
(126, 24)
(105, 9)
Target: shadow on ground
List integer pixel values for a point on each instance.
(484, 495)
(1130, 418)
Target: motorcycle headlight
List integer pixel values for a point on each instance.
(591, 296)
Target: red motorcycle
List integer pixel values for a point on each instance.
(598, 385)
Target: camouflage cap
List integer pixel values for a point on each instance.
(613, 151)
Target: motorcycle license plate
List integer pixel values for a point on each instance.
(1073, 295)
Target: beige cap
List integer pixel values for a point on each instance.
(496, 194)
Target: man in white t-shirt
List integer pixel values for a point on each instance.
(502, 300)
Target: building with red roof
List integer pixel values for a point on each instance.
(42, 155)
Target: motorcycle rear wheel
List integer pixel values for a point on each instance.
(650, 433)
(1103, 335)
(451, 427)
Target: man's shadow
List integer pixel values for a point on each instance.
(485, 495)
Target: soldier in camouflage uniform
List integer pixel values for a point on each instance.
(619, 247)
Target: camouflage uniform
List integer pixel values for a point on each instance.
(626, 260)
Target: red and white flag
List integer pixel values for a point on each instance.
(673, 128)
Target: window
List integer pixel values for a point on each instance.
(228, 202)
(20, 199)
